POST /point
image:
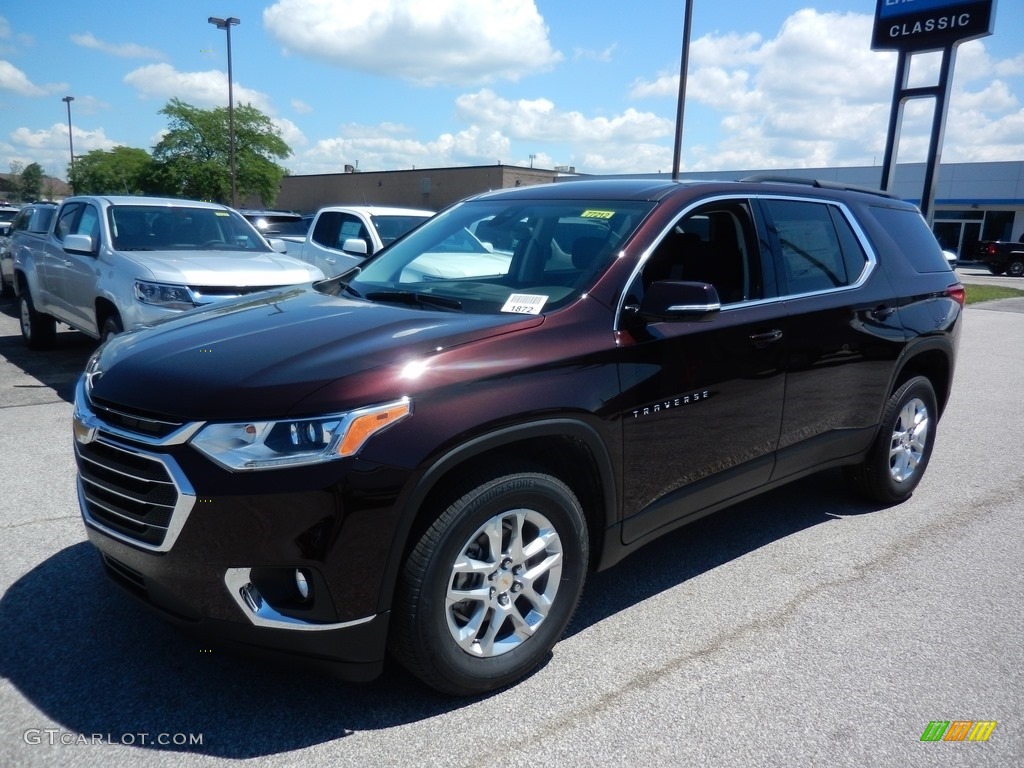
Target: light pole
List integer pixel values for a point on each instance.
(226, 25)
(71, 142)
(677, 152)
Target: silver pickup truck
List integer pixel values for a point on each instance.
(109, 264)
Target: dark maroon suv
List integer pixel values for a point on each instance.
(426, 455)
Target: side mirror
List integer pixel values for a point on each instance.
(278, 245)
(78, 244)
(672, 300)
(354, 245)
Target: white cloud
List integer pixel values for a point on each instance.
(290, 132)
(125, 50)
(441, 42)
(501, 131)
(14, 80)
(208, 89)
(56, 138)
(817, 95)
(49, 146)
(539, 120)
(389, 147)
(603, 55)
(301, 107)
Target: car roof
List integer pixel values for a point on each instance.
(656, 189)
(379, 210)
(256, 212)
(153, 201)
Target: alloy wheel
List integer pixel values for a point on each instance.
(503, 582)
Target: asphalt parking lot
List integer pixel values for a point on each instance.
(805, 628)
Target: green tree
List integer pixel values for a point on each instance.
(31, 184)
(193, 158)
(120, 171)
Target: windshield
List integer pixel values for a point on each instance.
(392, 227)
(180, 228)
(491, 256)
(270, 226)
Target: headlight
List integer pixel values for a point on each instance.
(164, 295)
(253, 445)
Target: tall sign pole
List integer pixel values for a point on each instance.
(918, 26)
(681, 103)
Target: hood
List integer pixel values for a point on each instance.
(224, 268)
(257, 357)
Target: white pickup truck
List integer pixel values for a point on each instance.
(342, 236)
(108, 264)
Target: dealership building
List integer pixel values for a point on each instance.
(973, 201)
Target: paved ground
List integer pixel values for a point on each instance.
(802, 629)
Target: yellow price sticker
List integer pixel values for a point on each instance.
(597, 214)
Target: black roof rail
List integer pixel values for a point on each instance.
(779, 179)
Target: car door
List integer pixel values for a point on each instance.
(330, 231)
(80, 272)
(842, 332)
(53, 290)
(703, 397)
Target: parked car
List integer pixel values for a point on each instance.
(108, 264)
(1002, 256)
(7, 214)
(401, 459)
(30, 224)
(340, 237)
(291, 227)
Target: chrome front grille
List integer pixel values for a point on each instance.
(131, 494)
(145, 424)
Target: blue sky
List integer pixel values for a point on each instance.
(396, 84)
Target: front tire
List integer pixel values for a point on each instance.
(111, 327)
(898, 459)
(38, 330)
(491, 585)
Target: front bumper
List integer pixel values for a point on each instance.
(218, 552)
(351, 651)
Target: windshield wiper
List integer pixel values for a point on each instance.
(415, 299)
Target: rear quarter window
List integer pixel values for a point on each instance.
(911, 233)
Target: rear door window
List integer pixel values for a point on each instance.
(817, 248)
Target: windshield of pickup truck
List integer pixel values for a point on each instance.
(486, 257)
(181, 228)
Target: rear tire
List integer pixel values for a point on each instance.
(38, 330)
(490, 586)
(996, 270)
(1015, 268)
(899, 456)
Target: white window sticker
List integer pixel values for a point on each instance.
(525, 304)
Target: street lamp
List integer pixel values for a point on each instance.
(226, 25)
(71, 142)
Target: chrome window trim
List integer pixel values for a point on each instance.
(869, 252)
(865, 243)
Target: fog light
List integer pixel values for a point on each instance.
(301, 584)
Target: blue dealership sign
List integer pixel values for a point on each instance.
(924, 25)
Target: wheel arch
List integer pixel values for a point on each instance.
(104, 309)
(568, 449)
(933, 359)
